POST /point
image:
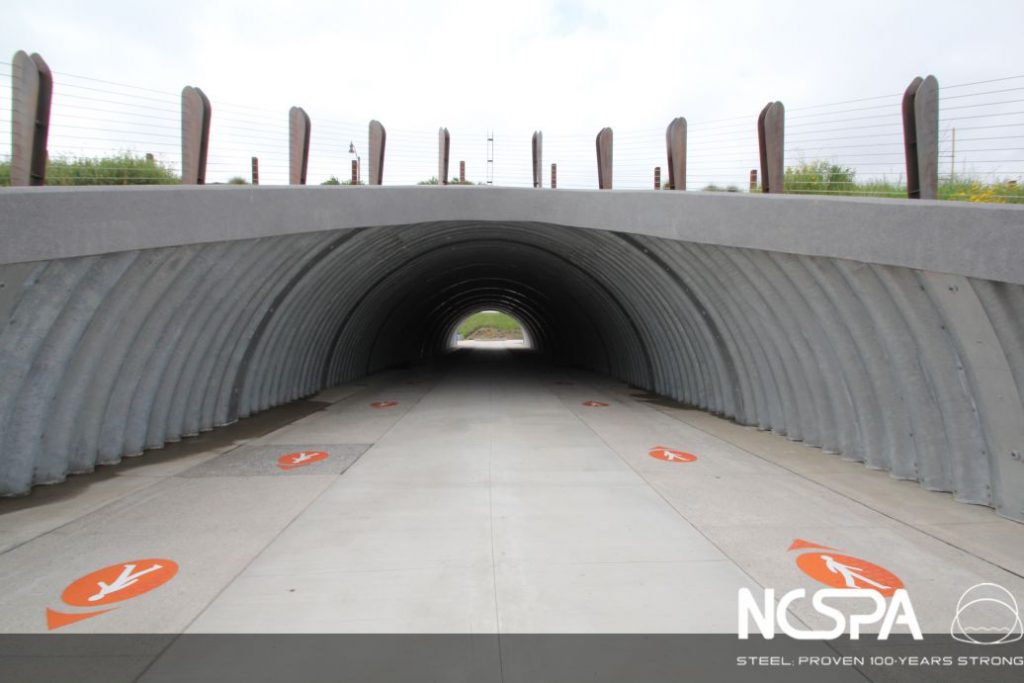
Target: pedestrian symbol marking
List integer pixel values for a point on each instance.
(595, 404)
(290, 461)
(671, 454)
(119, 582)
(111, 584)
(384, 404)
(845, 571)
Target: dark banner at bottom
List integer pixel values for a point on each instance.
(519, 658)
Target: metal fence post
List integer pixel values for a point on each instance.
(31, 94)
(921, 137)
(378, 138)
(675, 140)
(657, 177)
(195, 135)
(255, 171)
(444, 143)
(554, 176)
(771, 124)
(604, 159)
(537, 146)
(299, 130)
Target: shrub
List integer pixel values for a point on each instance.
(819, 177)
(120, 169)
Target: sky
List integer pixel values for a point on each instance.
(566, 68)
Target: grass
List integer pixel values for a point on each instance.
(120, 169)
(491, 320)
(822, 177)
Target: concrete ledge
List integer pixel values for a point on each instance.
(980, 241)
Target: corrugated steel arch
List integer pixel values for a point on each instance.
(106, 355)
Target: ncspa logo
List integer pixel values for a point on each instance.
(987, 614)
(863, 585)
(775, 614)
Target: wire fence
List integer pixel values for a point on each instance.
(847, 147)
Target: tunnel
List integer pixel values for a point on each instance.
(886, 332)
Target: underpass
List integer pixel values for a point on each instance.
(238, 410)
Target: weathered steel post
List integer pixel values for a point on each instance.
(378, 138)
(604, 159)
(675, 141)
(299, 129)
(771, 124)
(195, 135)
(444, 143)
(537, 146)
(31, 94)
(657, 177)
(554, 176)
(255, 171)
(921, 137)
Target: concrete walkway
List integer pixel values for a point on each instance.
(488, 498)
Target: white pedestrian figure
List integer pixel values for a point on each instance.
(302, 457)
(848, 573)
(127, 578)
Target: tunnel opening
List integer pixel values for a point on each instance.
(489, 328)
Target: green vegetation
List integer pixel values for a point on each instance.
(120, 169)
(823, 177)
(715, 188)
(453, 181)
(490, 325)
(237, 180)
(820, 177)
(333, 180)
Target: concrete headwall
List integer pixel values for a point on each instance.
(889, 331)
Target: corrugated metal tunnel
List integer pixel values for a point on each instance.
(116, 350)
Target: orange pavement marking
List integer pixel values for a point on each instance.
(595, 404)
(119, 582)
(801, 543)
(290, 461)
(846, 571)
(671, 454)
(115, 583)
(56, 619)
(383, 404)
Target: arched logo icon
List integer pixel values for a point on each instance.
(111, 584)
(384, 404)
(987, 614)
(595, 404)
(671, 454)
(290, 461)
(844, 571)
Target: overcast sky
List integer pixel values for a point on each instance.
(564, 67)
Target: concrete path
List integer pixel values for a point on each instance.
(484, 495)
